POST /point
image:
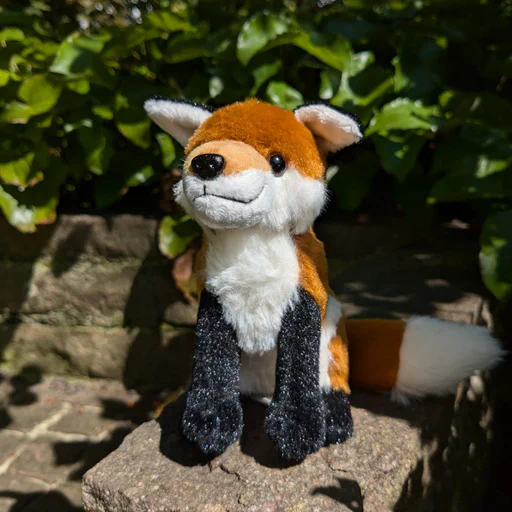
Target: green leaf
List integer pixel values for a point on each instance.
(215, 86)
(5, 76)
(22, 161)
(131, 119)
(496, 254)
(11, 34)
(128, 170)
(263, 73)
(280, 93)
(103, 111)
(473, 163)
(481, 108)
(166, 21)
(405, 114)
(16, 112)
(40, 93)
(352, 182)
(37, 205)
(18, 215)
(326, 90)
(331, 49)
(97, 145)
(364, 88)
(80, 86)
(134, 124)
(77, 58)
(176, 234)
(166, 149)
(398, 152)
(257, 32)
(192, 45)
(126, 39)
(420, 66)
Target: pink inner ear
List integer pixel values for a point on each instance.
(332, 130)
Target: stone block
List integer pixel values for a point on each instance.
(412, 281)
(86, 421)
(73, 236)
(9, 443)
(106, 294)
(40, 460)
(428, 456)
(143, 358)
(23, 418)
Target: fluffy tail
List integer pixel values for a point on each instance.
(418, 357)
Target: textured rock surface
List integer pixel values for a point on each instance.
(422, 458)
(52, 430)
(91, 285)
(143, 358)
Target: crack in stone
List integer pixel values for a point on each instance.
(224, 468)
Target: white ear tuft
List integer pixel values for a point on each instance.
(179, 118)
(332, 129)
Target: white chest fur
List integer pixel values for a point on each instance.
(255, 274)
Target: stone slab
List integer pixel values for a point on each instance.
(17, 491)
(9, 443)
(66, 498)
(105, 294)
(108, 236)
(412, 281)
(400, 459)
(41, 460)
(24, 418)
(86, 421)
(142, 358)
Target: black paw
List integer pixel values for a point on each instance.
(297, 429)
(338, 419)
(212, 422)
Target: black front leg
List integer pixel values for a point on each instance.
(296, 417)
(338, 416)
(213, 413)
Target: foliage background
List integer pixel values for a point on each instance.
(430, 80)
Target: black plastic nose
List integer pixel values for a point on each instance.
(208, 166)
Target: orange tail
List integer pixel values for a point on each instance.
(417, 357)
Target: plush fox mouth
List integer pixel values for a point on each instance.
(233, 199)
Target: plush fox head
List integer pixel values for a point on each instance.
(254, 164)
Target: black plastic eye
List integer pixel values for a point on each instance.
(278, 164)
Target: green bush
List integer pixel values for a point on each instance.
(429, 78)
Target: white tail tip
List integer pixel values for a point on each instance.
(436, 356)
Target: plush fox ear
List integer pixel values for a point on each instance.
(179, 118)
(332, 128)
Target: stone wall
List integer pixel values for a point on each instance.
(93, 296)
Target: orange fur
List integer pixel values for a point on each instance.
(374, 352)
(268, 129)
(313, 268)
(339, 366)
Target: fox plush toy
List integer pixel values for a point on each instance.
(269, 326)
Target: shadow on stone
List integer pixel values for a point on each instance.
(53, 501)
(86, 454)
(69, 248)
(172, 443)
(255, 443)
(348, 493)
